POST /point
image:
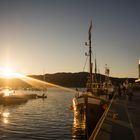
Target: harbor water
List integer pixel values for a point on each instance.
(40, 119)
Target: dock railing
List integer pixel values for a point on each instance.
(100, 122)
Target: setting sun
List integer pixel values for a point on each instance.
(7, 72)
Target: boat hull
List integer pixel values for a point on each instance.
(12, 99)
(40, 96)
(88, 109)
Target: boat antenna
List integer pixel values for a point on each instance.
(95, 71)
(107, 71)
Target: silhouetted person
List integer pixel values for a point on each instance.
(119, 91)
(130, 93)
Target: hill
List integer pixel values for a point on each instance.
(63, 79)
(76, 79)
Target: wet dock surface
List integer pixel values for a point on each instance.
(123, 120)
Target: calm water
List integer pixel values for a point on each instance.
(38, 119)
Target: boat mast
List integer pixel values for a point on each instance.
(106, 73)
(90, 58)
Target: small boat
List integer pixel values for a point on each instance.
(30, 95)
(44, 89)
(89, 105)
(8, 97)
(42, 96)
(12, 99)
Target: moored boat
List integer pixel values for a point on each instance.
(8, 97)
(30, 95)
(13, 99)
(89, 105)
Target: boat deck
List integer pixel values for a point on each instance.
(122, 121)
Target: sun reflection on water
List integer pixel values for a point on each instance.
(78, 130)
(5, 116)
(7, 92)
(5, 120)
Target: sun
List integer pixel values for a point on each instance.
(7, 72)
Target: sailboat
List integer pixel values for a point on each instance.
(88, 106)
(44, 90)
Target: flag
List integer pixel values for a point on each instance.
(89, 31)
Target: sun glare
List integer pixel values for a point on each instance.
(7, 72)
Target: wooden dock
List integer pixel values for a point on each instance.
(122, 121)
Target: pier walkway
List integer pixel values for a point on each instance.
(122, 121)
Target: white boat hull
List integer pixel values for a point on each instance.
(88, 109)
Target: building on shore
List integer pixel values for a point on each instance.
(138, 80)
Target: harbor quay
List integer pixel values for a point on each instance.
(123, 119)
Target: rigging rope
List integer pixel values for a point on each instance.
(85, 63)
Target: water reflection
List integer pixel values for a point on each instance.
(5, 116)
(78, 130)
(5, 120)
(36, 119)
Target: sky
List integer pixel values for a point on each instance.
(48, 36)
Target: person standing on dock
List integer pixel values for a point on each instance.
(125, 86)
(130, 92)
(120, 91)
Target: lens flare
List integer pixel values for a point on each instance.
(8, 73)
(38, 83)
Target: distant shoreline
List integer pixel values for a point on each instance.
(64, 79)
